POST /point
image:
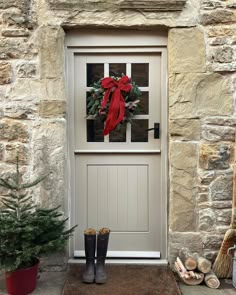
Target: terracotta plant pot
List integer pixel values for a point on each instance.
(22, 281)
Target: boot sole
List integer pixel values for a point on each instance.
(88, 281)
(100, 281)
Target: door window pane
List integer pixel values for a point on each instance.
(118, 134)
(94, 73)
(117, 69)
(140, 74)
(139, 131)
(95, 130)
(143, 106)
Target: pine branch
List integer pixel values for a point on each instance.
(6, 184)
(8, 206)
(25, 199)
(12, 195)
(9, 201)
(22, 196)
(48, 210)
(33, 183)
(27, 207)
(69, 231)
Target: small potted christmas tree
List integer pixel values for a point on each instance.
(26, 232)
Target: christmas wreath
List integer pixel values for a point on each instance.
(115, 99)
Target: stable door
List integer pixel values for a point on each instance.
(119, 178)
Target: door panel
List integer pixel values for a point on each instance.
(120, 192)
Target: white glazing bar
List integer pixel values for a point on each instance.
(117, 151)
(128, 128)
(144, 88)
(106, 74)
(128, 69)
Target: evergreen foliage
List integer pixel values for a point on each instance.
(96, 94)
(26, 231)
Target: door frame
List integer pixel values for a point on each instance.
(121, 41)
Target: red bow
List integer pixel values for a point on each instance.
(116, 111)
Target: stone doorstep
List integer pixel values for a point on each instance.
(226, 288)
(51, 283)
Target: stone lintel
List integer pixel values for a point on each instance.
(153, 5)
(143, 5)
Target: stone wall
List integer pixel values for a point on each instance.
(201, 128)
(202, 65)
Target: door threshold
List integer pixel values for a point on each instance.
(125, 261)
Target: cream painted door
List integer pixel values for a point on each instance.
(119, 179)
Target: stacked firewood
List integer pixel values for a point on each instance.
(193, 269)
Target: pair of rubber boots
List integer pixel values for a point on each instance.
(91, 274)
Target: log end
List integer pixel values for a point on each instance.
(192, 281)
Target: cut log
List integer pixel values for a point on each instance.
(188, 277)
(188, 259)
(211, 280)
(203, 264)
(194, 282)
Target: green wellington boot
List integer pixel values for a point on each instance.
(102, 244)
(90, 247)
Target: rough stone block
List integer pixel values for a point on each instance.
(215, 156)
(212, 241)
(14, 48)
(49, 149)
(183, 161)
(16, 149)
(26, 70)
(219, 41)
(223, 54)
(12, 130)
(206, 177)
(15, 33)
(198, 95)
(51, 52)
(202, 197)
(207, 220)
(220, 121)
(209, 4)
(184, 129)
(216, 205)
(25, 111)
(16, 19)
(223, 216)
(5, 73)
(222, 67)
(183, 156)
(186, 51)
(218, 133)
(53, 108)
(221, 31)
(23, 5)
(37, 89)
(218, 16)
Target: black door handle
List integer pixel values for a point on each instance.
(156, 130)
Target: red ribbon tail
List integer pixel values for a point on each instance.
(116, 112)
